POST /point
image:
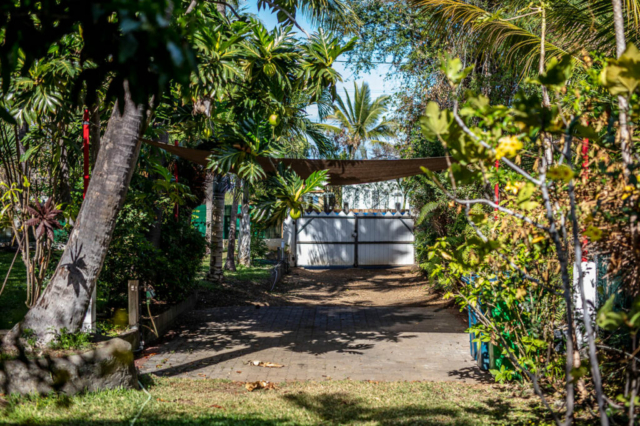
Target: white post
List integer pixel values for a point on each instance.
(89, 323)
(288, 237)
(589, 275)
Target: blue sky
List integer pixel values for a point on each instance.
(376, 79)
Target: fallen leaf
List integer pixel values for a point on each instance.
(265, 364)
(260, 384)
(217, 406)
(238, 372)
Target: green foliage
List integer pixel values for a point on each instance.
(171, 268)
(15, 292)
(622, 76)
(361, 120)
(435, 123)
(324, 48)
(610, 319)
(64, 340)
(137, 41)
(557, 72)
(454, 71)
(29, 336)
(286, 192)
(259, 247)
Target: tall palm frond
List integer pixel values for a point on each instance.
(329, 14)
(321, 51)
(361, 118)
(489, 30)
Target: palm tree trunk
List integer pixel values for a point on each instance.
(215, 273)
(245, 228)
(208, 184)
(66, 299)
(623, 104)
(230, 264)
(546, 137)
(94, 134)
(625, 137)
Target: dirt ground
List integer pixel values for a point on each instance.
(401, 287)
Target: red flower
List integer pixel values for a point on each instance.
(44, 217)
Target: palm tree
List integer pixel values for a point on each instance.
(362, 120)
(230, 264)
(517, 37)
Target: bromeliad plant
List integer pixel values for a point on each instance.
(288, 193)
(528, 244)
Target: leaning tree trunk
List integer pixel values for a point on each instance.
(245, 228)
(215, 273)
(230, 264)
(66, 299)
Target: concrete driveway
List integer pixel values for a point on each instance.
(318, 343)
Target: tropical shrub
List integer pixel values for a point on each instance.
(566, 180)
(170, 268)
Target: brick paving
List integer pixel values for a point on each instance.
(319, 343)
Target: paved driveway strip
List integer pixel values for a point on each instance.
(319, 343)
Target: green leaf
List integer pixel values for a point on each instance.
(561, 172)
(622, 76)
(524, 197)
(452, 68)
(464, 176)
(27, 155)
(586, 132)
(435, 122)
(557, 72)
(607, 318)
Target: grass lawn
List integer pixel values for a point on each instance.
(253, 273)
(15, 293)
(217, 402)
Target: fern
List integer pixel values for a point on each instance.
(427, 210)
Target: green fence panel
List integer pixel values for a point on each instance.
(199, 220)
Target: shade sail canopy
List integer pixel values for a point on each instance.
(341, 172)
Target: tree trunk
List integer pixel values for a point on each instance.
(623, 103)
(65, 187)
(65, 300)
(546, 137)
(215, 273)
(94, 134)
(245, 228)
(230, 264)
(155, 231)
(208, 184)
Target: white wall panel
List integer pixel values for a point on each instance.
(319, 229)
(385, 254)
(379, 229)
(325, 254)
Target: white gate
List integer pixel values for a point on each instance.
(351, 240)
